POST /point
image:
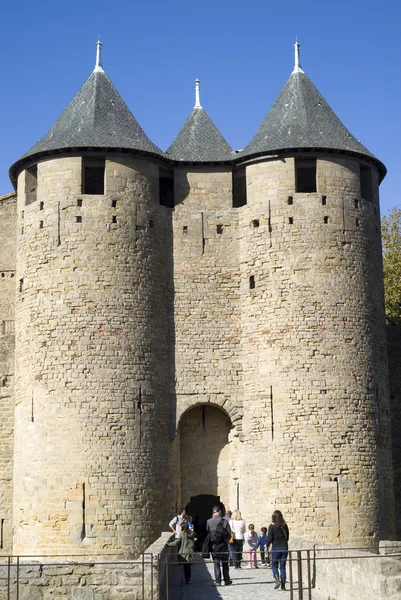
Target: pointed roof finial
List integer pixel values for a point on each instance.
(197, 97)
(297, 66)
(98, 65)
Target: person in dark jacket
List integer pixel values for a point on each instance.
(277, 536)
(185, 542)
(219, 549)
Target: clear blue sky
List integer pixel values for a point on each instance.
(241, 51)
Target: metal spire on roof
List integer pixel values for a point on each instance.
(98, 65)
(297, 66)
(197, 99)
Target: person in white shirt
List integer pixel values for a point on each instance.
(237, 525)
(175, 524)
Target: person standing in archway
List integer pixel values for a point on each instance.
(175, 524)
(237, 525)
(220, 534)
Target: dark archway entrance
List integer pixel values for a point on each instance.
(200, 508)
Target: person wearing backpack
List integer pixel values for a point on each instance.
(220, 533)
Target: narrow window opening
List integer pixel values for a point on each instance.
(21, 285)
(219, 229)
(93, 170)
(366, 183)
(22, 231)
(151, 224)
(114, 204)
(114, 219)
(22, 214)
(79, 202)
(326, 219)
(78, 219)
(291, 220)
(356, 203)
(290, 200)
(3, 275)
(166, 187)
(252, 282)
(185, 230)
(255, 223)
(40, 224)
(305, 175)
(239, 188)
(41, 206)
(324, 200)
(31, 184)
(357, 222)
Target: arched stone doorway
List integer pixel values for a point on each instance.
(205, 459)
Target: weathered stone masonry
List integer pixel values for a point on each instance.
(191, 323)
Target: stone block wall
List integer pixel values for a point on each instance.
(109, 579)
(316, 422)
(8, 232)
(92, 411)
(208, 368)
(394, 358)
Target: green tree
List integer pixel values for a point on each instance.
(391, 234)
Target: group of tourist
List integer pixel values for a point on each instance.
(225, 541)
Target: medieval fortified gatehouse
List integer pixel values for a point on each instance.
(192, 324)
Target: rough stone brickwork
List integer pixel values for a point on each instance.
(394, 358)
(316, 413)
(8, 214)
(207, 297)
(91, 361)
(165, 353)
(204, 443)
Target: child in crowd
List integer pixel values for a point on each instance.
(252, 539)
(261, 545)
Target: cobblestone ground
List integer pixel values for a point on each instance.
(247, 583)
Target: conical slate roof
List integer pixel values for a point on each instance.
(199, 140)
(301, 118)
(97, 117)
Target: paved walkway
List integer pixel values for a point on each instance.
(247, 583)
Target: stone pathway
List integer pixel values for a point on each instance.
(247, 583)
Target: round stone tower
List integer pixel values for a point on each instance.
(316, 402)
(91, 416)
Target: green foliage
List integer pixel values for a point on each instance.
(391, 234)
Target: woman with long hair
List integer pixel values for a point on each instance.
(278, 535)
(237, 525)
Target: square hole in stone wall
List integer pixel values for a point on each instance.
(255, 223)
(185, 230)
(219, 229)
(78, 219)
(290, 220)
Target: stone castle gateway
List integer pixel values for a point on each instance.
(192, 324)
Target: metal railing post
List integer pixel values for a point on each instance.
(143, 576)
(291, 577)
(8, 577)
(167, 583)
(309, 575)
(17, 577)
(299, 561)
